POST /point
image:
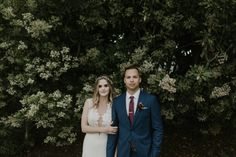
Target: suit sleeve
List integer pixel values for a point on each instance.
(157, 127)
(112, 138)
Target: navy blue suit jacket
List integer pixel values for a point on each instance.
(144, 136)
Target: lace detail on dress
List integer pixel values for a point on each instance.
(95, 143)
(95, 119)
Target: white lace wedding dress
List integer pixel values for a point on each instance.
(95, 143)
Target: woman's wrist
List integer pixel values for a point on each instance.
(103, 129)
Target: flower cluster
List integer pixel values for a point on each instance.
(91, 55)
(168, 84)
(220, 91)
(5, 45)
(38, 27)
(87, 88)
(33, 109)
(12, 121)
(58, 63)
(138, 54)
(182, 108)
(152, 79)
(222, 58)
(199, 99)
(147, 66)
(202, 117)
(27, 17)
(22, 46)
(19, 80)
(168, 114)
(7, 13)
(65, 133)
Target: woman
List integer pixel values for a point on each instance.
(96, 119)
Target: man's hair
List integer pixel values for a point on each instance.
(134, 66)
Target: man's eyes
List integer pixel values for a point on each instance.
(131, 77)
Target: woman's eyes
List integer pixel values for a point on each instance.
(99, 86)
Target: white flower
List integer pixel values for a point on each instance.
(5, 45)
(28, 16)
(168, 114)
(8, 13)
(168, 84)
(30, 81)
(88, 88)
(54, 54)
(32, 111)
(147, 66)
(220, 91)
(38, 27)
(22, 46)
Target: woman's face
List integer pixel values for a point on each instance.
(103, 87)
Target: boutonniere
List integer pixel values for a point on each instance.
(141, 106)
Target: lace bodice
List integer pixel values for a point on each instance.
(95, 119)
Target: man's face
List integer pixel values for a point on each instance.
(132, 80)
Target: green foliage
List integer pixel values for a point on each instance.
(52, 51)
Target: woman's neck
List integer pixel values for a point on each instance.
(103, 100)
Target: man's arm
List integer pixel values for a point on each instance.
(112, 138)
(157, 127)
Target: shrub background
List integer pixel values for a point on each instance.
(52, 51)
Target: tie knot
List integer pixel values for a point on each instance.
(131, 97)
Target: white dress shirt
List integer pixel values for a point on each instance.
(136, 96)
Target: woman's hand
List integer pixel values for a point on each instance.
(111, 129)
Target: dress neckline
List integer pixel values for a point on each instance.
(107, 108)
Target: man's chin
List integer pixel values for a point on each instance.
(133, 88)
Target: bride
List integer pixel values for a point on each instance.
(96, 119)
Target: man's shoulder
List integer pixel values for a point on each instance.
(148, 94)
(118, 97)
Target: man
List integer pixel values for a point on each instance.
(137, 115)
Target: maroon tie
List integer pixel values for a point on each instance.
(131, 109)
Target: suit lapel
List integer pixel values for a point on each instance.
(137, 113)
(123, 108)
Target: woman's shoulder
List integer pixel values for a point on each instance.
(89, 102)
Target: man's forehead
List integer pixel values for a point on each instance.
(131, 72)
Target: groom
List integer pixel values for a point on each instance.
(137, 115)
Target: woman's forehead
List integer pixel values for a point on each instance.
(102, 81)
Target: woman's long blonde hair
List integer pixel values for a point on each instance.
(96, 96)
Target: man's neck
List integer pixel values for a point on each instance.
(132, 92)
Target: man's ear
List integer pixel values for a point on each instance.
(140, 80)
